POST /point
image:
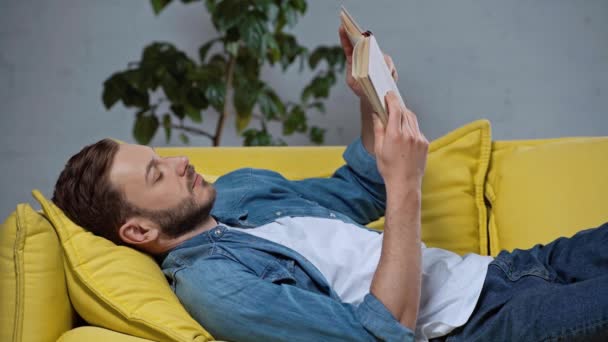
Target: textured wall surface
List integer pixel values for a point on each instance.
(534, 69)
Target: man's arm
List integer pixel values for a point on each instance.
(234, 304)
(356, 189)
(401, 151)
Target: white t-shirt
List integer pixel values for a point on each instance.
(348, 256)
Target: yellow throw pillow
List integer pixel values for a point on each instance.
(453, 209)
(541, 191)
(34, 303)
(118, 288)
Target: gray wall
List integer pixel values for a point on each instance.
(534, 68)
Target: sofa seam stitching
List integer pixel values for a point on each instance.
(19, 276)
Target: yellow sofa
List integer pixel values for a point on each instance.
(58, 282)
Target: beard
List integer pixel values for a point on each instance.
(184, 217)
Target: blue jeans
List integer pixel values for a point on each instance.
(555, 292)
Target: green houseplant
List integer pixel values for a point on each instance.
(169, 90)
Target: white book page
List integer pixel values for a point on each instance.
(379, 74)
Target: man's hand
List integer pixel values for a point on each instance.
(400, 147)
(347, 46)
(367, 133)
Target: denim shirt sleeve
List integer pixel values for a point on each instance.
(355, 189)
(234, 304)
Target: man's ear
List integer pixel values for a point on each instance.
(139, 231)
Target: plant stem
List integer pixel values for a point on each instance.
(193, 130)
(221, 120)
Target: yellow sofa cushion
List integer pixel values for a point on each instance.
(96, 334)
(453, 209)
(541, 190)
(119, 288)
(454, 215)
(34, 303)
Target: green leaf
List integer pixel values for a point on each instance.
(291, 17)
(145, 127)
(264, 5)
(253, 29)
(296, 121)
(159, 5)
(332, 54)
(319, 86)
(242, 121)
(290, 49)
(211, 6)
(217, 66)
(335, 57)
(245, 97)
(299, 5)
(178, 110)
(135, 98)
(203, 50)
(167, 126)
(316, 56)
(229, 13)
(274, 52)
(254, 137)
(247, 68)
(272, 12)
(134, 78)
(113, 89)
(271, 105)
(318, 105)
(196, 97)
(232, 48)
(124, 85)
(194, 114)
(184, 138)
(317, 135)
(216, 93)
(171, 88)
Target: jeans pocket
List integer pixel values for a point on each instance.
(524, 263)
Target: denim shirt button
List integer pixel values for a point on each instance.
(332, 215)
(278, 213)
(217, 232)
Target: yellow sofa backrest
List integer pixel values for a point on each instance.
(540, 190)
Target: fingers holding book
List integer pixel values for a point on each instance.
(400, 147)
(391, 67)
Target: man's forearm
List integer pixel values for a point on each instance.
(397, 279)
(367, 126)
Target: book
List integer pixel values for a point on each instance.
(369, 67)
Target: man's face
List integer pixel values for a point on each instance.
(166, 190)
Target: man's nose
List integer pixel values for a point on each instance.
(181, 165)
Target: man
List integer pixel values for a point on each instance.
(255, 257)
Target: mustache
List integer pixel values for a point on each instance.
(190, 175)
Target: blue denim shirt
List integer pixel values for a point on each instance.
(244, 288)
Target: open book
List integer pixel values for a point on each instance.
(369, 67)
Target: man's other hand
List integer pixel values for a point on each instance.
(400, 147)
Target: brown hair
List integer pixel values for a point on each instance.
(85, 194)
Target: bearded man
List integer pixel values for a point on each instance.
(257, 257)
